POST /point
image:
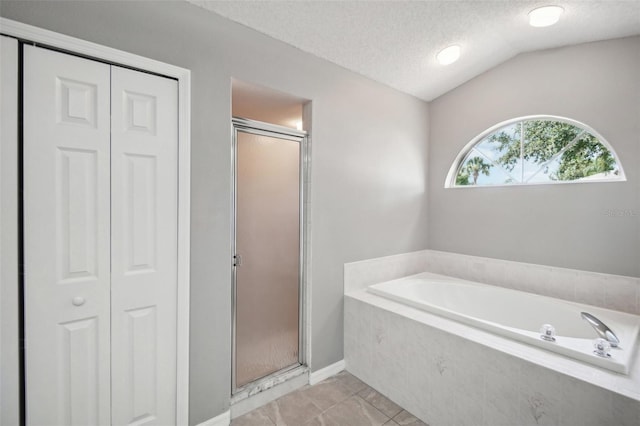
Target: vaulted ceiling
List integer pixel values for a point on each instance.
(395, 42)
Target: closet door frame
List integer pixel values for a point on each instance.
(46, 38)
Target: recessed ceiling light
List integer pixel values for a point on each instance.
(448, 55)
(545, 16)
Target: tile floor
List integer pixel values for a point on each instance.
(341, 400)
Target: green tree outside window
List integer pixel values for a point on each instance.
(544, 150)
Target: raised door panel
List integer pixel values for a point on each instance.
(144, 247)
(66, 238)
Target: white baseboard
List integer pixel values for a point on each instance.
(223, 419)
(325, 373)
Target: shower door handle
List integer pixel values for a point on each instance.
(237, 260)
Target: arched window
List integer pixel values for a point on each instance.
(535, 150)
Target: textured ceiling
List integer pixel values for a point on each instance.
(395, 42)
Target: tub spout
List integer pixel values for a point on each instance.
(601, 328)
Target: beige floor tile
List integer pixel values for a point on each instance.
(321, 420)
(341, 400)
(355, 411)
(352, 383)
(381, 402)
(257, 417)
(293, 409)
(328, 393)
(404, 418)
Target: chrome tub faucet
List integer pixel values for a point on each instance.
(602, 329)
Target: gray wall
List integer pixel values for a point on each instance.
(368, 174)
(564, 225)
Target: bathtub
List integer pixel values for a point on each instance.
(518, 315)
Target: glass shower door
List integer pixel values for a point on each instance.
(267, 261)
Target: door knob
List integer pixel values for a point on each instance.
(78, 301)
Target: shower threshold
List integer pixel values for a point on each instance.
(268, 382)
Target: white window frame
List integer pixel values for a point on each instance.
(450, 181)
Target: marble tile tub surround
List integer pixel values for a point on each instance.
(341, 400)
(447, 373)
(361, 274)
(615, 292)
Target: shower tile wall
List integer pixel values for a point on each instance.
(446, 380)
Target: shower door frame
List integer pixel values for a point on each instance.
(280, 132)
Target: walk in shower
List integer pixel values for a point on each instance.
(268, 251)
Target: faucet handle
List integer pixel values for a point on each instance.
(602, 347)
(548, 332)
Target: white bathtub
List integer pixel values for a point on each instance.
(518, 315)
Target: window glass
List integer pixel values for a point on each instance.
(534, 151)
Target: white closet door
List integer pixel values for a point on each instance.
(144, 158)
(66, 241)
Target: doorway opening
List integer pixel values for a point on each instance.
(270, 239)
